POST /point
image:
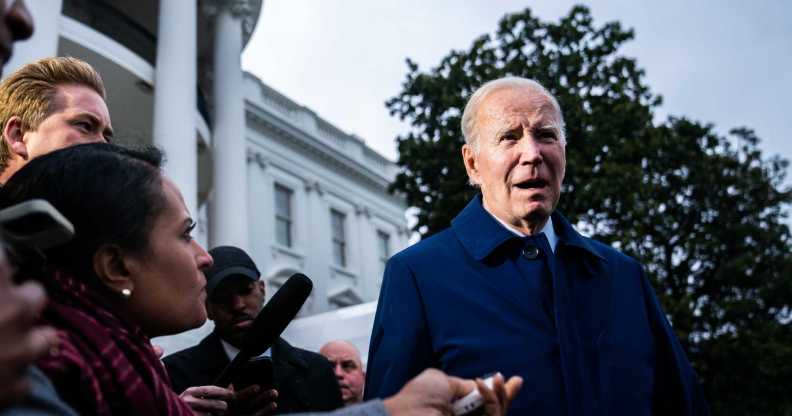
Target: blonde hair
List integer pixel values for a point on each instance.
(29, 93)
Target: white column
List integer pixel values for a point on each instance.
(175, 85)
(366, 251)
(44, 42)
(316, 243)
(229, 201)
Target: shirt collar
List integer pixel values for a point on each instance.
(232, 351)
(548, 230)
(481, 232)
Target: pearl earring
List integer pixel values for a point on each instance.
(126, 293)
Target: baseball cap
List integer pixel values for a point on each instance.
(229, 261)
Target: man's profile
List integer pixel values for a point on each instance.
(48, 105)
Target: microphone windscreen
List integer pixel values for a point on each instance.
(276, 315)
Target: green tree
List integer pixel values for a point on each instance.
(704, 213)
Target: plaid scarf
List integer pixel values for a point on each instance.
(103, 364)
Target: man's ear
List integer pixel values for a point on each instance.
(111, 267)
(469, 158)
(14, 137)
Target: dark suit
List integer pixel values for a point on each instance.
(304, 380)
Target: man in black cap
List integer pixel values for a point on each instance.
(302, 380)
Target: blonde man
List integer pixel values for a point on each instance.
(47, 105)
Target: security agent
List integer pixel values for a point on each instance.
(302, 380)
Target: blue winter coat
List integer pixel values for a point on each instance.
(582, 326)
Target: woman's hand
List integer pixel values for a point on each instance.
(207, 400)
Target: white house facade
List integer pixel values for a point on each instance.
(258, 170)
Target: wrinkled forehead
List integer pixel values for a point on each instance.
(518, 103)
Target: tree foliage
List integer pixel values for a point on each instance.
(704, 213)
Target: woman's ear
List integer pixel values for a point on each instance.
(111, 267)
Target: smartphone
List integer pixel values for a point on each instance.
(256, 371)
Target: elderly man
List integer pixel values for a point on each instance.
(348, 369)
(512, 287)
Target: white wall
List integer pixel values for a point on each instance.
(366, 211)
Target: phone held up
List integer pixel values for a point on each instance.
(257, 370)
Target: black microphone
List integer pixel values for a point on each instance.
(269, 324)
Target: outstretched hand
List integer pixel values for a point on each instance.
(432, 392)
(497, 400)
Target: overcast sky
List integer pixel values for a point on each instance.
(727, 62)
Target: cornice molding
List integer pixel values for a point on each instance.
(313, 185)
(361, 209)
(257, 158)
(291, 135)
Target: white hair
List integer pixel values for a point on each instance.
(484, 91)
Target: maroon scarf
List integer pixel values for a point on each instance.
(103, 365)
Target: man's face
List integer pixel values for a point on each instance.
(520, 158)
(15, 24)
(348, 370)
(80, 116)
(233, 306)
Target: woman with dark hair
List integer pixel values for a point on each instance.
(131, 272)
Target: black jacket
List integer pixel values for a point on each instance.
(305, 380)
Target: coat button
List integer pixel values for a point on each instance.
(531, 252)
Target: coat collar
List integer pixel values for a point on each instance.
(570, 237)
(481, 234)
